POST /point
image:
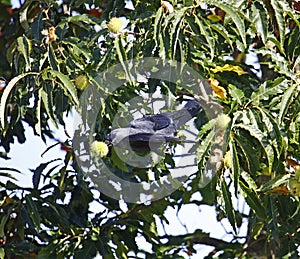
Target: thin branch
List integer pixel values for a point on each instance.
(203, 239)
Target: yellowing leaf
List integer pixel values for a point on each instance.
(218, 90)
(280, 190)
(7, 201)
(228, 67)
(50, 34)
(214, 17)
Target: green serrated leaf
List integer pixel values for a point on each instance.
(67, 85)
(47, 98)
(78, 50)
(267, 89)
(280, 22)
(256, 229)
(204, 31)
(260, 19)
(5, 95)
(33, 211)
(226, 195)
(279, 63)
(275, 182)
(24, 47)
(293, 43)
(267, 121)
(38, 127)
(234, 14)
(23, 17)
(37, 26)
(253, 131)
(182, 50)
(286, 101)
(81, 18)
(235, 166)
(122, 57)
(249, 180)
(52, 58)
(157, 25)
(262, 139)
(236, 94)
(38, 172)
(206, 127)
(223, 32)
(249, 152)
(270, 157)
(204, 146)
(159, 30)
(177, 18)
(273, 130)
(253, 201)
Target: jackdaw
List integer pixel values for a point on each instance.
(149, 133)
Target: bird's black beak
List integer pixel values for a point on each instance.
(108, 142)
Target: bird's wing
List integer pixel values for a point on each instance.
(179, 118)
(152, 122)
(147, 137)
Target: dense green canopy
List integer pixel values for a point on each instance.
(246, 51)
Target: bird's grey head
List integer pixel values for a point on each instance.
(193, 107)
